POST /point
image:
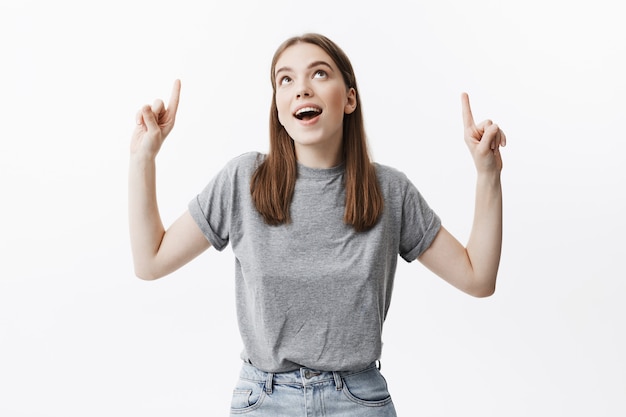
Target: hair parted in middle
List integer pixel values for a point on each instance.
(272, 184)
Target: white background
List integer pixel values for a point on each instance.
(81, 336)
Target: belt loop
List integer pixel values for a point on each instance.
(269, 383)
(338, 381)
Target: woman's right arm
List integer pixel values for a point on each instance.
(156, 251)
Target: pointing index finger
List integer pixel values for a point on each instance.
(174, 98)
(468, 118)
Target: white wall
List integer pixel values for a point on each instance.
(81, 336)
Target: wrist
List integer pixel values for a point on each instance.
(489, 178)
(142, 159)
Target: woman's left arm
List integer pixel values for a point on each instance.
(474, 268)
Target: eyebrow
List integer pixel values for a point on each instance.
(311, 65)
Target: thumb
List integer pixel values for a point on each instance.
(149, 119)
(488, 141)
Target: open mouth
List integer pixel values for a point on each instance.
(307, 113)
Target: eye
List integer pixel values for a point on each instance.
(284, 80)
(320, 74)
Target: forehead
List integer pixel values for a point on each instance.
(300, 55)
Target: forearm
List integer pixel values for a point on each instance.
(485, 241)
(145, 225)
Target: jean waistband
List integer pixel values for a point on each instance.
(303, 376)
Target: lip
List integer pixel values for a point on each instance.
(304, 105)
(308, 122)
(311, 121)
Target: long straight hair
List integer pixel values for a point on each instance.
(273, 182)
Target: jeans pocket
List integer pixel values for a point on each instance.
(367, 388)
(247, 396)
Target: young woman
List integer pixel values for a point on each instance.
(316, 229)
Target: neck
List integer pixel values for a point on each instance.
(318, 157)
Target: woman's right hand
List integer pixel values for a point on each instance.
(154, 123)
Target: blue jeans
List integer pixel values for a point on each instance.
(309, 393)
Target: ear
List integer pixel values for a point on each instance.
(350, 101)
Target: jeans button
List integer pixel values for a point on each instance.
(308, 374)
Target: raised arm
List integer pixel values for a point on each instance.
(156, 252)
(474, 268)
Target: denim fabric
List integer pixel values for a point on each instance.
(309, 393)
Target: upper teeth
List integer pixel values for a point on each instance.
(307, 109)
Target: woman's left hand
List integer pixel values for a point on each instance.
(483, 140)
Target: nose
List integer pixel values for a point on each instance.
(304, 90)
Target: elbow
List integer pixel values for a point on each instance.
(149, 268)
(483, 288)
(146, 274)
(145, 277)
(483, 292)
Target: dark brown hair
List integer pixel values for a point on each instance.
(273, 182)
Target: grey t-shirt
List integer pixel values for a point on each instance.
(315, 292)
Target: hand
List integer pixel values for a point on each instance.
(483, 140)
(154, 123)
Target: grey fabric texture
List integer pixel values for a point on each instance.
(313, 293)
